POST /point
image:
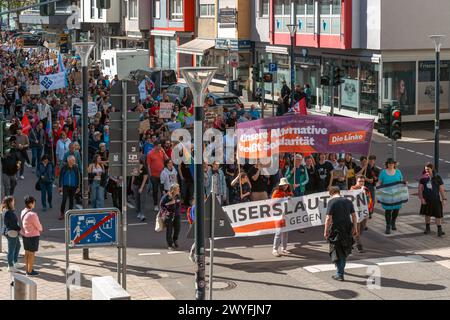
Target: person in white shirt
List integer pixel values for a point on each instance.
(62, 146)
(169, 175)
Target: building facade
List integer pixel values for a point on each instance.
(381, 60)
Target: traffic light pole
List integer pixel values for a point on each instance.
(394, 149)
(437, 111)
(332, 91)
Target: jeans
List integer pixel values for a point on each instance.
(36, 153)
(298, 192)
(281, 238)
(340, 265)
(9, 183)
(97, 195)
(139, 198)
(13, 250)
(156, 186)
(68, 193)
(187, 191)
(172, 229)
(46, 193)
(117, 197)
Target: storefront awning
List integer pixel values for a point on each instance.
(163, 33)
(196, 47)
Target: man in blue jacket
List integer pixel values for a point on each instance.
(69, 184)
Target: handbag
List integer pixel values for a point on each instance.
(38, 186)
(160, 226)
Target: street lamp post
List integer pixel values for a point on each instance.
(437, 44)
(198, 80)
(84, 49)
(293, 31)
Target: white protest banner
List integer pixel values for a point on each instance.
(49, 63)
(165, 110)
(53, 81)
(268, 216)
(92, 109)
(35, 89)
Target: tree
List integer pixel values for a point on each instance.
(14, 4)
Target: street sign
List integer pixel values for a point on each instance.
(92, 228)
(234, 59)
(273, 67)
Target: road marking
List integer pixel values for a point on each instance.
(409, 150)
(137, 224)
(401, 148)
(235, 248)
(175, 252)
(389, 145)
(428, 156)
(447, 162)
(420, 153)
(58, 229)
(365, 263)
(149, 254)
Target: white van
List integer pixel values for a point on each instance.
(122, 61)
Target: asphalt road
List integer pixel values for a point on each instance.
(245, 268)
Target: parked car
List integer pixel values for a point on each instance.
(177, 92)
(226, 100)
(163, 78)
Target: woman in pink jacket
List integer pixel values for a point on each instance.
(31, 230)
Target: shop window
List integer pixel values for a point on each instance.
(350, 88)
(399, 84)
(369, 88)
(427, 87)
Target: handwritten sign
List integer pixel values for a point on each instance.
(166, 109)
(174, 126)
(92, 109)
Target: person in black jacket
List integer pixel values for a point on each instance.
(46, 176)
(11, 232)
(10, 166)
(69, 184)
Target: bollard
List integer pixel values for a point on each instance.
(22, 288)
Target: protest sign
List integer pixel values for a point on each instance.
(304, 134)
(92, 109)
(173, 126)
(52, 81)
(189, 122)
(269, 216)
(165, 110)
(35, 90)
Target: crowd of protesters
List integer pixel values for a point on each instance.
(49, 126)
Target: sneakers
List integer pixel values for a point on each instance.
(156, 209)
(284, 251)
(142, 218)
(170, 249)
(22, 178)
(337, 278)
(32, 273)
(276, 253)
(44, 209)
(28, 165)
(11, 269)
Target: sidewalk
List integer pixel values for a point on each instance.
(142, 283)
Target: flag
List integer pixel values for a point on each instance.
(26, 126)
(300, 107)
(53, 81)
(61, 63)
(48, 129)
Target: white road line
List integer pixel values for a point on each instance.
(401, 148)
(58, 229)
(409, 150)
(149, 254)
(365, 263)
(175, 252)
(447, 161)
(389, 145)
(235, 248)
(137, 224)
(428, 156)
(420, 153)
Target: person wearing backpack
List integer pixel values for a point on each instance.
(31, 231)
(11, 232)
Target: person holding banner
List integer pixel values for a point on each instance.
(281, 238)
(339, 176)
(341, 226)
(390, 184)
(360, 185)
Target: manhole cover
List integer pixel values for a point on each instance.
(223, 285)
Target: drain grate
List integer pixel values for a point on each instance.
(223, 285)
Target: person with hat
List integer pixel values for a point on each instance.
(388, 176)
(281, 238)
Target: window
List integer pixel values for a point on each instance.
(176, 9)
(330, 17)
(132, 9)
(100, 13)
(207, 10)
(399, 82)
(112, 61)
(336, 7)
(157, 9)
(107, 63)
(278, 7)
(305, 16)
(92, 9)
(282, 15)
(264, 8)
(325, 6)
(427, 86)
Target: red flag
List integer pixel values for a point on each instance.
(74, 123)
(300, 107)
(26, 126)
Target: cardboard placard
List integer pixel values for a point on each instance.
(166, 109)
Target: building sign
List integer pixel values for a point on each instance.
(234, 44)
(308, 59)
(227, 18)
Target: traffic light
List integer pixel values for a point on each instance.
(103, 4)
(396, 124)
(337, 77)
(256, 72)
(5, 137)
(325, 81)
(267, 77)
(384, 120)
